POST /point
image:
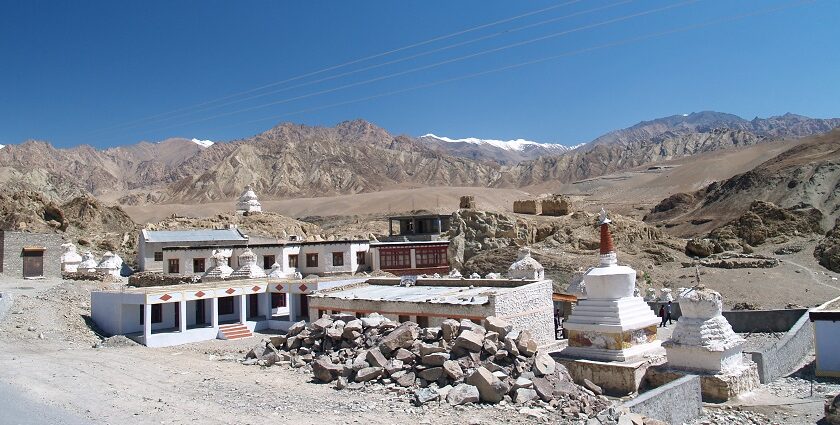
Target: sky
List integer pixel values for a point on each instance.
(109, 73)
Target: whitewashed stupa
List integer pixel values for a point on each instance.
(248, 268)
(703, 340)
(88, 263)
(110, 264)
(70, 259)
(220, 268)
(276, 271)
(248, 203)
(526, 267)
(611, 324)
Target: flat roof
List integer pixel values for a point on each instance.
(198, 235)
(458, 295)
(265, 245)
(422, 216)
(323, 282)
(439, 242)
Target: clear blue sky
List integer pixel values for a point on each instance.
(77, 72)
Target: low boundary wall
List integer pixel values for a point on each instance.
(676, 402)
(745, 321)
(5, 304)
(787, 354)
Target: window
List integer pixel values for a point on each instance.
(225, 305)
(293, 261)
(278, 300)
(268, 261)
(403, 319)
(159, 256)
(338, 258)
(174, 267)
(360, 257)
(423, 321)
(198, 265)
(311, 260)
(157, 313)
(395, 258)
(431, 257)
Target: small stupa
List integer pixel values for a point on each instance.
(248, 268)
(110, 264)
(88, 263)
(704, 343)
(526, 267)
(611, 324)
(220, 268)
(248, 203)
(70, 259)
(276, 271)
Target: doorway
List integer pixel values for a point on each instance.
(33, 263)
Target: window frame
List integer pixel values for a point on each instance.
(267, 264)
(199, 261)
(338, 255)
(361, 258)
(294, 260)
(173, 262)
(158, 256)
(312, 259)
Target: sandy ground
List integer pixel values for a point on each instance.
(51, 373)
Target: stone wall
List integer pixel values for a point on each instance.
(90, 276)
(467, 202)
(529, 307)
(744, 321)
(660, 403)
(558, 205)
(527, 206)
(147, 279)
(787, 354)
(13, 244)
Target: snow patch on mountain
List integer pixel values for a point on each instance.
(203, 143)
(509, 145)
(2, 146)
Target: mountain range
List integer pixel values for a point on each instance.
(292, 160)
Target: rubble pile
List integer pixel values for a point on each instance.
(146, 279)
(458, 363)
(91, 276)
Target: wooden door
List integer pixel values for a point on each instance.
(33, 263)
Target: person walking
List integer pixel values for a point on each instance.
(668, 313)
(662, 315)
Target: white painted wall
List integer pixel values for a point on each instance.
(827, 341)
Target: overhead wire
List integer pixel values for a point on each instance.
(353, 62)
(391, 62)
(440, 63)
(625, 41)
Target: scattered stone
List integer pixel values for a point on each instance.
(543, 364)
(497, 325)
(490, 388)
(589, 385)
(524, 395)
(325, 370)
(368, 374)
(470, 341)
(425, 395)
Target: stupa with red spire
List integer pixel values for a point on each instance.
(611, 324)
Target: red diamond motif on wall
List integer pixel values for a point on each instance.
(255, 289)
(230, 291)
(166, 297)
(279, 288)
(303, 288)
(199, 294)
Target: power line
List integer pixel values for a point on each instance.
(631, 40)
(437, 64)
(352, 62)
(391, 62)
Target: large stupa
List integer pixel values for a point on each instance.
(612, 323)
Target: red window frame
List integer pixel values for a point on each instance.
(395, 258)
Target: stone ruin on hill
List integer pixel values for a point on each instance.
(458, 363)
(553, 206)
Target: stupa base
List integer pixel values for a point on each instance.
(616, 378)
(715, 387)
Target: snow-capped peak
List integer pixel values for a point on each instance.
(203, 143)
(509, 145)
(2, 146)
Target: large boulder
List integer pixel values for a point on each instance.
(325, 370)
(402, 336)
(544, 364)
(449, 328)
(832, 411)
(368, 374)
(500, 326)
(470, 341)
(526, 344)
(463, 394)
(699, 248)
(490, 388)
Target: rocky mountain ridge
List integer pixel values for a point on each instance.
(292, 160)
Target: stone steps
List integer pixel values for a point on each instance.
(235, 331)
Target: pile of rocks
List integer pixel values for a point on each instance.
(460, 362)
(90, 276)
(146, 279)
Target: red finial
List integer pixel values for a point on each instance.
(606, 239)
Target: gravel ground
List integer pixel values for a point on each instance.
(759, 340)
